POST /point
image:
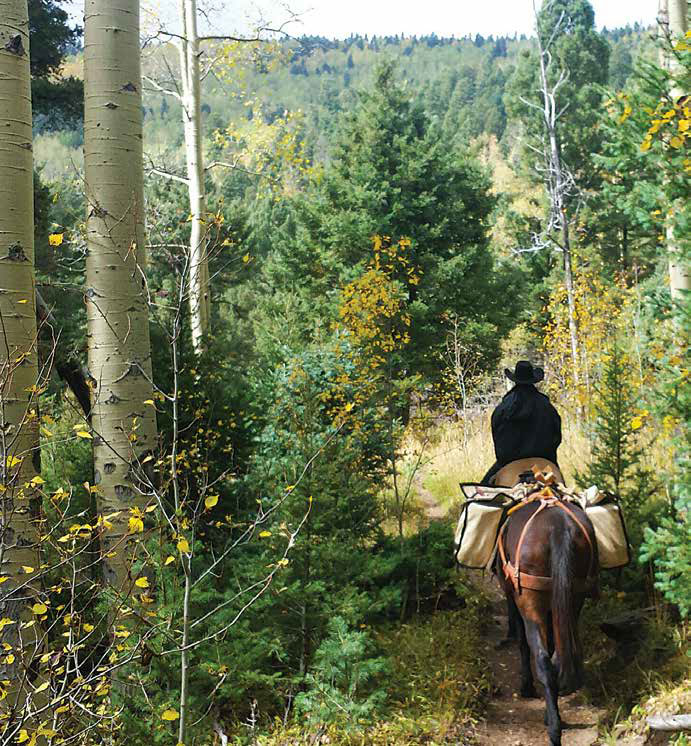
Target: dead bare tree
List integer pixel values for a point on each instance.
(559, 183)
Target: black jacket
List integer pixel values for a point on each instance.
(525, 425)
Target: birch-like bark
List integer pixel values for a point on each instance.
(19, 457)
(672, 26)
(119, 350)
(557, 194)
(190, 75)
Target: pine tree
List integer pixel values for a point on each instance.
(616, 465)
(394, 176)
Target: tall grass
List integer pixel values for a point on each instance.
(463, 452)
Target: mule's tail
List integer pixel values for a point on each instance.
(567, 654)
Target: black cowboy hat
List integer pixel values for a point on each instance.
(525, 373)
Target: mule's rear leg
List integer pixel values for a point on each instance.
(536, 633)
(527, 690)
(514, 622)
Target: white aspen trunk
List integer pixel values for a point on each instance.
(19, 454)
(673, 24)
(200, 306)
(124, 427)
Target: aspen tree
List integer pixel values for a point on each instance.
(673, 24)
(124, 424)
(190, 77)
(188, 91)
(19, 522)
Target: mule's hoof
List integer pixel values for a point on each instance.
(529, 692)
(504, 643)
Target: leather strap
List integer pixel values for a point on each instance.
(520, 579)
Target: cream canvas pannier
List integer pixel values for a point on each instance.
(478, 527)
(485, 510)
(607, 518)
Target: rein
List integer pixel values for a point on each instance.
(521, 579)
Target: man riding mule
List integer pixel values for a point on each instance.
(547, 558)
(546, 542)
(525, 425)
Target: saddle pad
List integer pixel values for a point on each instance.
(478, 529)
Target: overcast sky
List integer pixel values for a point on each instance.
(340, 18)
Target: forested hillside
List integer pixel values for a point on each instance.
(253, 342)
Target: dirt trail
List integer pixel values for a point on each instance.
(432, 509)
(510, 720)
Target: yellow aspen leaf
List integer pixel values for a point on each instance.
(84, 434)
(142, 582)
(23, 300)
(169, 559)
(676, 141)
(23, 736)
(28, 569)
(246, 258)
(56, 239)
(88, 627)
(5, 621)
(39, 608)
(41, 688)
(37, 480)
(210, 501)
(136, 525)
(645, 145)
(10, 659)
(150, 402)
(264, 534)
(183, 545)
(170, 715)
(3, 579)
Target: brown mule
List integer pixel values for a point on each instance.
(547, 564)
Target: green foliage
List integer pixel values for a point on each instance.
(616, 463)
(342, 687)
(57, 101)
(668, 545)
(644, 168)
(392, 176)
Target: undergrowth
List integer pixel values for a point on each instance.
(436, 686)
(645, 672)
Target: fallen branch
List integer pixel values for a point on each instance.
(669, 722)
